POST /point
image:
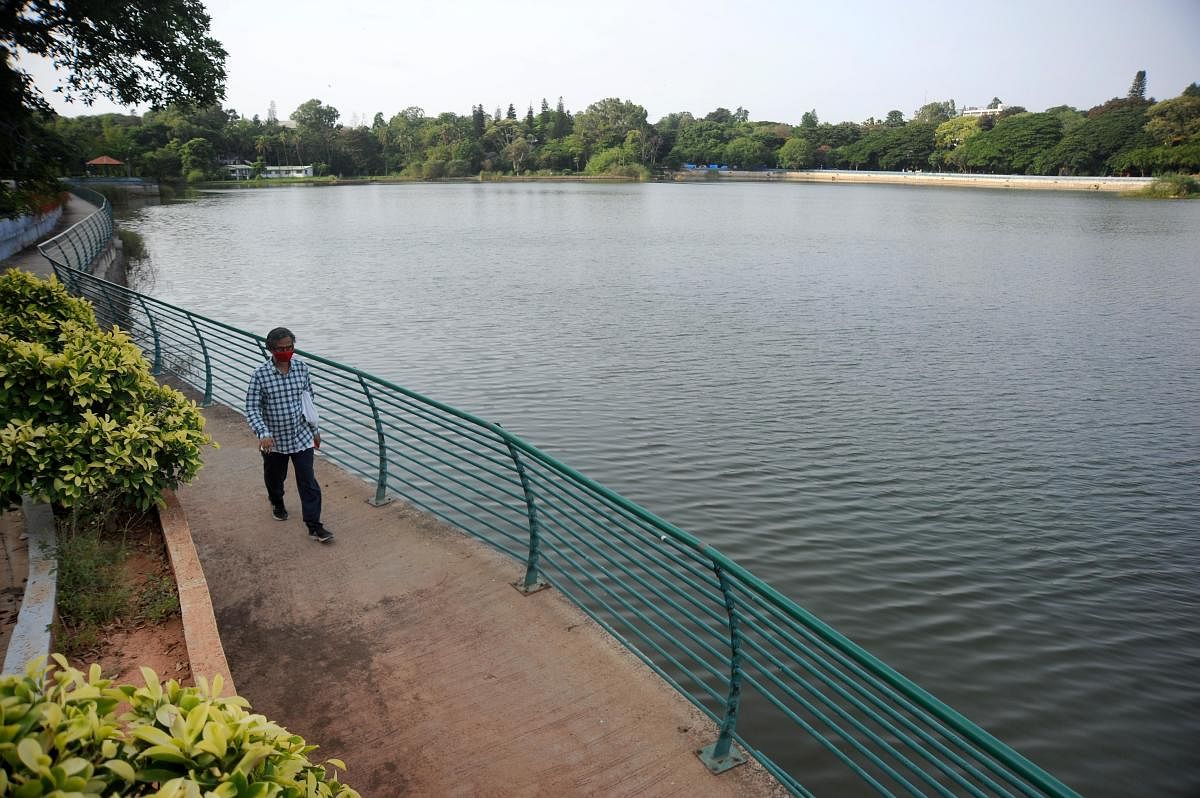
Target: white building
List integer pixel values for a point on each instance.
(244, 171)
(985, 111)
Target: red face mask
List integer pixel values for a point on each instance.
(284, 357)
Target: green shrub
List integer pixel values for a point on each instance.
(61, 736)
(82, 415)
(458, 168)
(1172, 187)
(434, 169)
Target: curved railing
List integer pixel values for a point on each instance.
(79, 246)
(748, 657)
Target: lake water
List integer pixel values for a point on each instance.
(960, 425)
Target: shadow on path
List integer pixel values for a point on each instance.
(402, 649)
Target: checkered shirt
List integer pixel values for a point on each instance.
(273, 406)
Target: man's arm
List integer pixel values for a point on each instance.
(254, 407)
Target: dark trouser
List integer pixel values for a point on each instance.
(275, 468)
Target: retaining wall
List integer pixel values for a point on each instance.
(1034, 182)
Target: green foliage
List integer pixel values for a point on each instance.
(745, 152)
(614, 162)
(796, 153)
(83, 416)
(132, 244)
(130, 51)
(1123, 134)
(1085, 149)
(91, 590)
(1013, 145)
(605, 123)
(1173, 187)
(62, 737)
(198, 155)
(34, 310)
(936, 113)
(891, 148)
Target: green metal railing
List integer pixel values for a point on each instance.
(789, 689)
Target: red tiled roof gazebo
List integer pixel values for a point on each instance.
(105, 161)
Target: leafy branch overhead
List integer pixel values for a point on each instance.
(133, 52)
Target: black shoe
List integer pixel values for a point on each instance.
(279, 511)
(321, 535)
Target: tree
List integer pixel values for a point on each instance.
(606, 123)
(747, 153)
(313, 114)
(721, 116)
(1085, 149)
(1137, 89)
(199, 157)
(995, 103)
(1014, 145)
(130, 51)
(949, 136)
(517, 151)
(796, 153)
(701, 142)
(1172, 122)
(935, 113)
(894, 119)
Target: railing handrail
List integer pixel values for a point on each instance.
(172, 324)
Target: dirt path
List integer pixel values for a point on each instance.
(403, 649)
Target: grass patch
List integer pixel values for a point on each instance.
(95, 589)
(1172, 187)
(158, 599)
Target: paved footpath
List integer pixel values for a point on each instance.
(402, 648)
(29, 259)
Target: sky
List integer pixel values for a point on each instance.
(775, 58)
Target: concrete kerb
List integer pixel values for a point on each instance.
(31, 635)
(205, 652)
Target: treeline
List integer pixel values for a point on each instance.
(1126, 135)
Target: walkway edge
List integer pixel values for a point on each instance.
(205, 652)
(31, 635)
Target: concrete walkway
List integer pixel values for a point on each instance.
(402, 649)
(29, 259)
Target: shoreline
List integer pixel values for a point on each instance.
(843, 176)
(955, 179)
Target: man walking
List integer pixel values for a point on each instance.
(275, 412)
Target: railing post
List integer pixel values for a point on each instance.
(156, 368)
(531, 583)
(207, 363)
(381, 498)
(113, 316)
(721, 755)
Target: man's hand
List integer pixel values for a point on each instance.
(316, 440)
(266, 444)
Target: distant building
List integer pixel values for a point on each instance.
(244, 171)
(985, 111)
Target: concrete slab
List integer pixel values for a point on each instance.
(402, 649)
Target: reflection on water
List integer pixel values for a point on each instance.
(962, 426)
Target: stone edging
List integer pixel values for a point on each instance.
(31, 636)
(205, 652)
